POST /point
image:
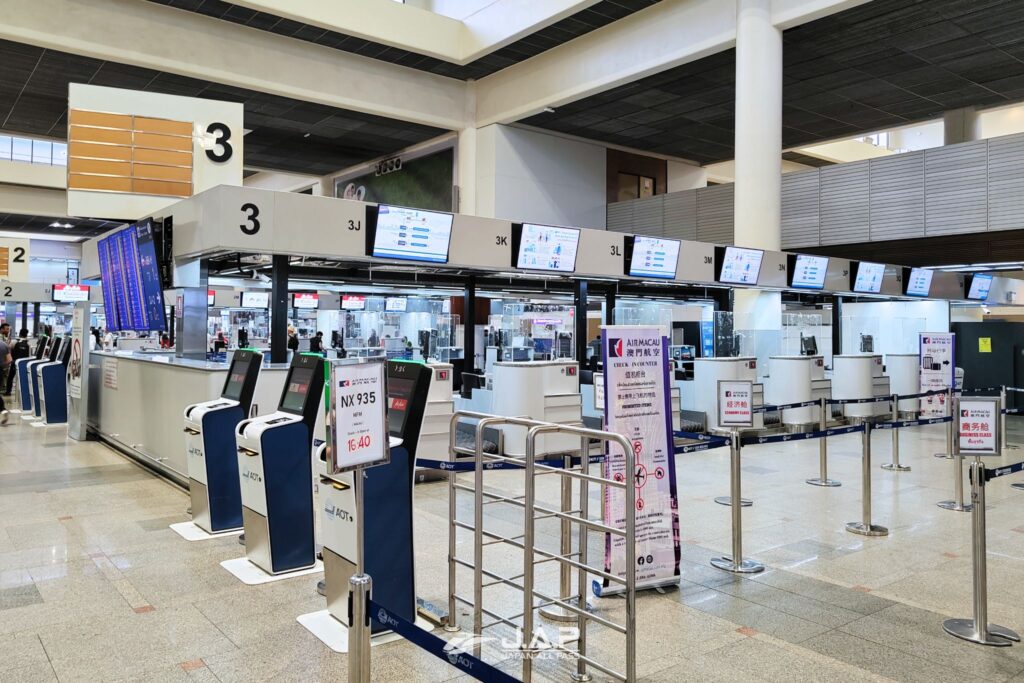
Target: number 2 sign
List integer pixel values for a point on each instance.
(14, 260)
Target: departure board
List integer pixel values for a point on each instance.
(132, 297)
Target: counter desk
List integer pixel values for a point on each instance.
(137, 402)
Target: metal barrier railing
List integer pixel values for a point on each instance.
(567, 602)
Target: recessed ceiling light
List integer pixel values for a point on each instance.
(305, 135)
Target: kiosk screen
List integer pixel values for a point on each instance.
(236, 378)
(400, 393)
(296, 392)
(40, 348)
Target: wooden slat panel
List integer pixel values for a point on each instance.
(153, 141)
(147, 125)
(116, 168)
(96, 118)
(98, 182)
(150, 172)
(162, 187)
(88, 150)
(163, 157)
(87, 134)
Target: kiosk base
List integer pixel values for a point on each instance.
(190, 531)
(334, 634)
(251, 575)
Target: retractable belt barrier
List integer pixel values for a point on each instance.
(469, 466)
(1012, 411)
(900, 424)
(801, 436)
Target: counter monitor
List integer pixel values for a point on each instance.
(255, 300)
(352, 302)
(70, 293)
(398, 304)
(408, 234)
(806, 271)
(917, 281)
(544, 247)
(866, 277)
(737, 266)
(306, 300)
(211, 296)
(651, 257)
(978, 287)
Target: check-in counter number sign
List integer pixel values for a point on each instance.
(735, 403)
(978, 429)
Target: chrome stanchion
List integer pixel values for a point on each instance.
(360, 588)
(895, 465)
(581, 674)
(957, 504)
(555, 612)
(451, 625)
(1002, 416)
(865, 527)
(949, 427)
(822, 478)
(736, 563)
(978, 630)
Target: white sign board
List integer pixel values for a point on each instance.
(637, 406)
(75, 368)
(110, 373)
(735, 403)
(978, 426)
(937, 357)
(13, 260)
(359, 435)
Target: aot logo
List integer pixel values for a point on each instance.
(615, 348)
(252, 476)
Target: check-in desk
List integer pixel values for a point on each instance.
(860, 376)
(904, 371)
(796, 379)
(706, 374)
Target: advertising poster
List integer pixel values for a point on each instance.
(75, 365)
(937, 357)
(637, 405)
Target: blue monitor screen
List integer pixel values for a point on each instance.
(132, 297)
(980, 285)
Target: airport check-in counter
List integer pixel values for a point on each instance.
(706, 374)
(795, 379)
(539, 390)
(904, 371)
(136, 402)
(860, 376)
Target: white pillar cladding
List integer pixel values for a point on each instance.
(960, 125)
(758, 203)
(466, 156)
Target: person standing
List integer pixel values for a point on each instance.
(20, 349)
(316, 343)
(5, 364)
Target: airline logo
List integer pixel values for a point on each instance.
(615, 348)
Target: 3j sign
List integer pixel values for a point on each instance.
(735, 403)
(978, 426)
(359, 436)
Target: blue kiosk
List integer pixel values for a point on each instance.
(24, 385)
(53, 386)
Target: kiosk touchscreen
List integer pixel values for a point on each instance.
(275, 470)
(210, 447)
(21, 366)
(49, 355)
(53, 394)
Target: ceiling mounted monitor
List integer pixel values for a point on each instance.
(806, 271)
(70, 293)
(978, 287)
(917, 281)
(396, 304)
(353, 302)
(544, 247)
(255, 300)
(306, 300)
(737, 266)
(651, 257)
(866, 277)
(398, 232)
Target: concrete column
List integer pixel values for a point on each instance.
(960, 125)
(758, 212)
(465, 156)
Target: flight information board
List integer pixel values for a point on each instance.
(149, 278)
(919, 282)
(307, 300)
(412, 234)
(545, 247)
(808, 272)
(868, 279)
(132, 297)
(740, 266)
(654, 257)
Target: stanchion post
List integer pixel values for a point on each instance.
(1002, 415)
(557, 613)
(895, 465)
(822, 478)
(360, 589)
(949, 427)
(978, 630)
(865, 527)
(451, 624)
(957, 504)
(736, 563)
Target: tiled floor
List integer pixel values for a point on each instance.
(95, 587)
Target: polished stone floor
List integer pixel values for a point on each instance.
(94, 586)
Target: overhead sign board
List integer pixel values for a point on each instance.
(14, 259)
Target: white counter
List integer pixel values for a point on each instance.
(137, 401)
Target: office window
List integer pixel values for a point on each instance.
(22, 150)
(633, 186)
(42, 152)
(5, 147)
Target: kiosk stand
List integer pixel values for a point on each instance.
(214, 486)
(24, 385)
(32, 368)
(53, 387)
(276, 472)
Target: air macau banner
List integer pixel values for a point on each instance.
(637, 404)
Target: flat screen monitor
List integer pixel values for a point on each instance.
(806, 271)
(867, 277)
(53, 349)
(70, 293)
(211, 297)
(808, 346)
(132, 294)
(652, 257)
(353, 302)
(306, 300)
(400, 392)
(255, 300)
(917, 281)
(545, 247)
(979, 287)
(409, 234)
(149, 278)
(238, 371)
(737, 266)
(40, 348)
(398, 304)
(297, 391)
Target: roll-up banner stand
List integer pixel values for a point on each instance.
(78, 373)
(937, 358)
(637, 405)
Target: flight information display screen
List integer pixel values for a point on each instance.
(869, 278)
(654, 257)
(412, 234)
(809, 272)
(255, 300)
(741, 266)
(545, 247)
(132, 296)
(396, 304)
(70, 293)
(919, 282)
(297, 390)
(980, 285)
(306, 300)
(149, 278)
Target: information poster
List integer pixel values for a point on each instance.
(75, 365)
(937, 358)
(110, 373)
(735, 403)
(359, 435)
(978, 421)
(637, 405)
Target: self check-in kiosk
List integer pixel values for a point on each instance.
(276, 471)
(53, 386)
(21, 365)
(49, 356)
(212, 453)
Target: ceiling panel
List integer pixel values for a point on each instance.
(41, 224)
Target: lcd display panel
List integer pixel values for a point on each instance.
(412, 234)
(808, 272)
(235, 381)
(919, 282)
(868, 278)
(399, 394)
(398, 304)
(211, 296)
(352, 302)
(306, 300)
(545, 247)
(740, 266)
(149, 279)
(255, 300)
(981, 283)
(654, 257)
(70, 293)
(296, 392)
